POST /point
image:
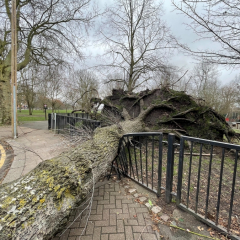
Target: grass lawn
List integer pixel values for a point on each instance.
(38, 115)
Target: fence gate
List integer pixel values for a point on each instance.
(202, 175)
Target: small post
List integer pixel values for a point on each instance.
(45, 110)
(170, 165)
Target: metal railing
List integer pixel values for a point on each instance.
(70, 123)
(202, 175)
(209, 182)
(139, 157)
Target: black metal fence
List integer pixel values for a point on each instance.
(202, 175)
(71, 123)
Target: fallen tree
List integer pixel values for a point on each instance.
(38, 204)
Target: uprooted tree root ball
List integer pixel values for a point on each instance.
(169, 111)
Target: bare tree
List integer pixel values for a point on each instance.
(136, 40)
(81, 87)
(218, 21)
(51, 85)
(28, 84)
(46, 29)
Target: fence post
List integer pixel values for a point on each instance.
(170, 165)
(49, 121)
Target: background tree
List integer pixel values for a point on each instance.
(80, 88)
(51, 85)
(46, 29)
(27, 85)
(136, 39)
(218, 21)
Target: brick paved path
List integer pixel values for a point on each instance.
(114, 216)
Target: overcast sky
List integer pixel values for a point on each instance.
(176, 21)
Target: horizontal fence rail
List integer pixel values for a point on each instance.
(209, 183)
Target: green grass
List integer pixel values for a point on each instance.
(38, 115)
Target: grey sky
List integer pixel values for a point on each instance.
(176, 21)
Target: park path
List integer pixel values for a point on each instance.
(115, 215)
(34, 144)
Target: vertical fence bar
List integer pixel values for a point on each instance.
(170, 164)
(130, 159)
(152, 158)
(159, 166)
(199, 175)
(209, 179)
(146, 162)
(180, 171)
(49, 121)
(135, 156)
(220, 186)
(140, 144)
(189, 174)
(232, 194)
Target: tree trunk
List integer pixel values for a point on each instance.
(36, 205)
(5, 100)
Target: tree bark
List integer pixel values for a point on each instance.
(36, 205)
(5, 100)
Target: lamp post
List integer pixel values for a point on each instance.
(14, 69)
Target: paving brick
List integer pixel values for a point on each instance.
(117, 187)
(101, 192)
(132, 212)
(116, 210)
(137, 236)
(105, 215)
(104, 237)
(96, 233)
(101, 223)
(98, 198)
(132, 222)
(71, 238)
(120, 226)
(113, 219)
(149, 236)
(109, 206)
(141, 210)
(112, 199)
(133, 205)
(118, 203)
(86, 237)
(127, 201)
(128, 233)
(118, 236)
(103, 201)
(94, 204)
(140, 218)
(115, 194)
(76, 231)
(106, 196)
(121, 197)
(139, 229)
(95, 217)
(90, 228)
(125, 208)
(122, 215)
(99, 209)
(109, 229)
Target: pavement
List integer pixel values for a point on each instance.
(35, 143)
(120, 208)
